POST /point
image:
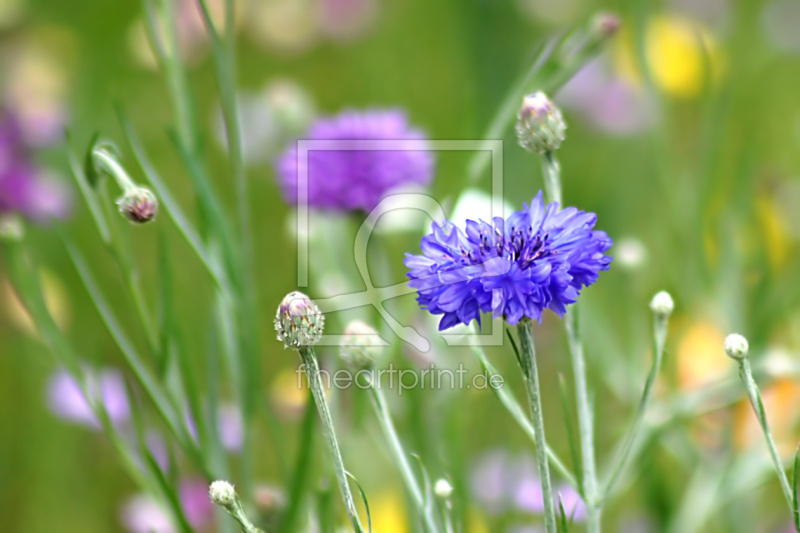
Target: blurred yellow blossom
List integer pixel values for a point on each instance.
(679, 53)
(775, 233)
(289, 393)
(55, 298)
(387, 513)
(700, 359)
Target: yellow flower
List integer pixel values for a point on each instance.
(55, 298)
(681, 56)
(387, 513)
(289, 393)
(774, 232)
(700, 357)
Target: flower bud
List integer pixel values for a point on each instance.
(299, 322)
(736, 346)
(540, 126)
(139, 205)
(360, 346)
(605, 25)
(443, 489)
(662, 304)
(222, 493)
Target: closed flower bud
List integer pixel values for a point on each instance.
(139, 205)
(443, 489)
(540, 126)
(222, 493)
(736, 346)
(662, 304)
(361, 346)
(299, 322)
(605, 25)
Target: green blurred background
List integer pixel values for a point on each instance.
(693, 167)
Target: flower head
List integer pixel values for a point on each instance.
(360, 345)
(222, 493)
(540, 125)
(23, 188)
(139, 205)
(736, 346)
(536, 259)
(299, 322)
(356, 177)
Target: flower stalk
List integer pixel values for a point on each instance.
(315, 382)
(662, 306)
(736, 347)
(527, 359)
(223, 494)
(390, 433)
(552, 182)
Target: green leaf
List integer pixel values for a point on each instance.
(364, 499)
(514, 347)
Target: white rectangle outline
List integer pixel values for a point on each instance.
(304, 146)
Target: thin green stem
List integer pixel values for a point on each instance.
(585, 422)
(237, 512)
(746, 374)
(315, 382)
(659, 338)
(518, 414)
(552, 183)
(552, 177)
(528, 362)
(389, 432)
(114, 169)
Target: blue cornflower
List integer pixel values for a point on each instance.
(539, 258)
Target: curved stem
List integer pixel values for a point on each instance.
(660, 336)
(527, 360)
(585, 422)
(385, 419)
(746, 374)
(312, 373)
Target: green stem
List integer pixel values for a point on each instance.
(552, 182)
(315, 382)
(528, 362)
(518, 414)
(114, 169)
(746, 374)
(385, 419)
(659, 338)
(552, 177)
(237, 512)
(585, 422)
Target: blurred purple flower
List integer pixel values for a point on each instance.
(229, 424)
(354, 179)
(195, 502)
(144, 514)
(501, 481)
(346, 19)
(229, 427)
(23, 188)
(66, 400)
(607, 102)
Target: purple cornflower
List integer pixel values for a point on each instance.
(66, 400)
(355, 179)
(23, 189)
(539, 258)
